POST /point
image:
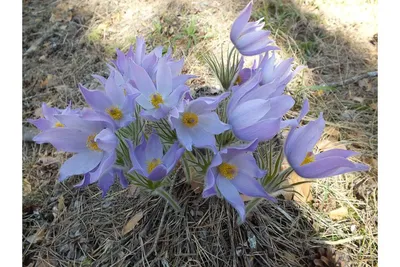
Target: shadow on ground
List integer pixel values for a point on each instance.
(64, 226)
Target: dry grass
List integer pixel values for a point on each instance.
(335, 39)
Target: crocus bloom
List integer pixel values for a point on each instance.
(243, 74)
(94, 144)
(149, 161)
(161, 100)
(299, 152)
(277, 74)
(50, 121)
(197, 123)
(114, 103)
(149, 62)
(234, 170)
(248, 37)
(254, 113)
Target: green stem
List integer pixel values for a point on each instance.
(166, 196)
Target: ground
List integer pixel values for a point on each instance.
(64, 42)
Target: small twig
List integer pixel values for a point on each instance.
(161, 223)
(352, 79)
(338, 242)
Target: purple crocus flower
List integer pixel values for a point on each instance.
(248, 37)
(116, 104)
(277, 74)
(253, 111)
(234, 170)
(149, 161)
(299, 152)
(243, 74)
(93, 142)
(162, 99)
(149, 62)
(197, 123)
(50, 121)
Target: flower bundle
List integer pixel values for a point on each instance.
(144, 122)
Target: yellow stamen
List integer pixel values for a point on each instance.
(115, 113)
(308, 159)
(190, 119)
(91, 144)
(156, 100)
(238, 80)
(58, 124)
(151, 165)
(227, 170)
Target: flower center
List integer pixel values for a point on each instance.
(156, 100)
(91, 144)
(308, 159)
(115, 113)
(58, 124)
(151, 165)
(227, 170)
(190, 119)
(238, 80)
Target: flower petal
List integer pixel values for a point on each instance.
(204, 104)
(240, 22)
(96, 99)
(250, 186)
(182, 133)
(231, 194)
(142, 80)
(80, 163)
(212, 124)
(324, 167)
(247, 164)
(105, 182)
(263, 130)
(106, 140)
(104, 167)
(154, 148)
(64, 139)
(158, 173)
(248, 113)
(302, 140)
(164, 78)
(41, 124)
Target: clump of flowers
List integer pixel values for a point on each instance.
(143, 122)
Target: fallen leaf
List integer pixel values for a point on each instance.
(132, 223)
(374, 106)
(46, 81)
(339, 213)
(37, 237)
(27, 188)
(303, 190)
